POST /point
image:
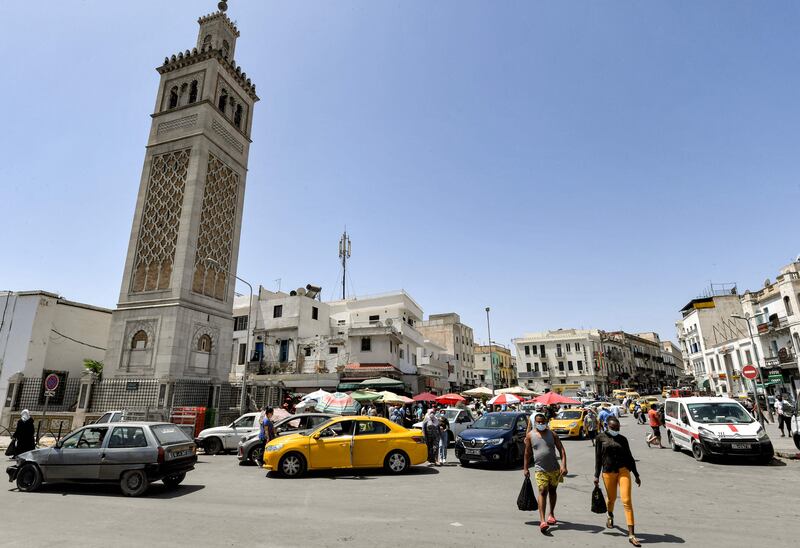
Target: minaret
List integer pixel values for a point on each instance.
(173, 320)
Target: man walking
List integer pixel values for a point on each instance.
(266, 431)
(784, 410)
(590, 423)
(603, 417)
(655, 424)
(542, 444)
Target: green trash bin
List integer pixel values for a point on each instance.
(211, 417)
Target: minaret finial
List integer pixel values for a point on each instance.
(223, 6)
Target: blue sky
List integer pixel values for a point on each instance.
(570, 164)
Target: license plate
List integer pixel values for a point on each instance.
(741, 446)
(473, 451)
(179, 454)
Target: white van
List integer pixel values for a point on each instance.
(715, 427)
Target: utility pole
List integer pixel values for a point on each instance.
(491, 357)
(345, 248)
(746, 318)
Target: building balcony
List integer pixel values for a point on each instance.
(529, 374)
(774, 324)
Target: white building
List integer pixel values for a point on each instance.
(306, 344)
(43, 333)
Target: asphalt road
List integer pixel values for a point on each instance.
(681, 501)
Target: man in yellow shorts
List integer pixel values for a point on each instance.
(542, 444)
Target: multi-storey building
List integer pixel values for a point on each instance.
(707, 323)
(456, 338)
(303, 343)
(561, 360)
(498, 371)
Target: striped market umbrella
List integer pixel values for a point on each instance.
(338, 403)
(504, 399)
(318, 395)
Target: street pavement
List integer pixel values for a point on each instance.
(680, 501)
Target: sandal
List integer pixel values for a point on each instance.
(633, 540)
(543, 527)
(610, 521)
(551, 520)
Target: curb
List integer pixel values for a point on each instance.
(787, 455)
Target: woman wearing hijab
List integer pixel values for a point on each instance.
(24, 434)
(613, 456)
(430, 425)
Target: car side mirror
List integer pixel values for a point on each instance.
(317, 435)
(59, 444)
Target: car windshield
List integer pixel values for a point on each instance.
(451, 414)
(167, 434)
(569, 414)
(719, 413)
(499, 421)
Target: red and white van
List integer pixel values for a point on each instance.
(715, 427)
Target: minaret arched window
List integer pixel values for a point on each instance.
(207, 42)
(139, 340)
(226, 48)
(223, 101)
(237, 117)
(193, 92)
(182, 94)
(173, 97)
(204, 343)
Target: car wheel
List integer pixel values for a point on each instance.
(175, 480)
(698, 452)
(213, 446)
(292, 465)
(256, 454)
(797, 439)
(29, 478)
(396, 462)
(133, 483)
(766, 459)
(464, 462)
(672, 443)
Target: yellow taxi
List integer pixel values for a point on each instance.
(619, 394)
(645, 403)
(568, 423)
(347, 442)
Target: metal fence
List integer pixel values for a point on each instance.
(31, 395)
(110, 394)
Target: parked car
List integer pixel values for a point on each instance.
(134, 454)
(347, 442)
(111, 416)
(226, 438)
(250, 446)
(568, 423)
(459, 420)
(715, 426)
(495, 437)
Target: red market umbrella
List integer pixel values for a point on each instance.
(450, 399)
(553, 398)
(504, 399)
(425, 396)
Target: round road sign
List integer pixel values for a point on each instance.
(749, 372)
(51, 381)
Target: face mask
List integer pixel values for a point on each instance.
(614, 432)
(541, 427)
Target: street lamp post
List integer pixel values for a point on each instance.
(746, 318)
(491, 357)
(243, 399)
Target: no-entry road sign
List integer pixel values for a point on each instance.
(749, 372)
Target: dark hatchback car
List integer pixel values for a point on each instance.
(133, 454)
(495, 437)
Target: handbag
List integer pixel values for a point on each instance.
(526, 501)
(598, 501)
(12, 448)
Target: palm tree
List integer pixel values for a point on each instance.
(95, 367)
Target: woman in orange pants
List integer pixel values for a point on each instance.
(613, 457)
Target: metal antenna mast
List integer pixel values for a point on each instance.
(344, 253)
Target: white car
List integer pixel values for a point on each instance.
(459, 419)
(226, 438)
